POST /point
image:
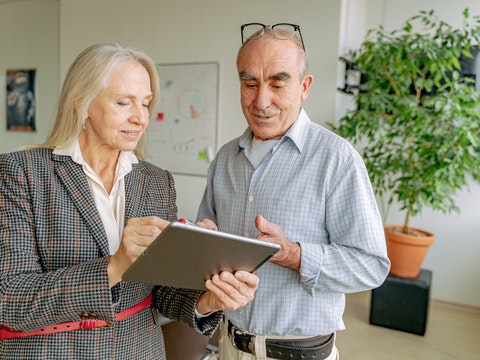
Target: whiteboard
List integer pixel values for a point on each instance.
(182, 133)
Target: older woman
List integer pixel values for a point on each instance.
(77, 210)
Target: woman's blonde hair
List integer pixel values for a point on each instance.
(86, 79)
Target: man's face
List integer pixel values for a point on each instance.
(270, 86)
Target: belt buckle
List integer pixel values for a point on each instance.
(232, 335)
(251, 345)
(109, 325)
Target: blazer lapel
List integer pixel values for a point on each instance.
(76, 184)
(135, 188)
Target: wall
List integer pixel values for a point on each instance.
(29, 40)
(453, 258)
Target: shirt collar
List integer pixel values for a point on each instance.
(298, 133)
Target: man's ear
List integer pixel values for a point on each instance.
(306, 83)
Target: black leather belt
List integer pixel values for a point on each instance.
(317, 347)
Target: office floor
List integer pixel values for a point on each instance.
(451, 333)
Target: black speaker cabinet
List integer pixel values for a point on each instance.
(402, 304)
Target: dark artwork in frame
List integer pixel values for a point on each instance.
(20, 100)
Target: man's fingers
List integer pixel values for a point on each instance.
(234, 291)
(207, 224)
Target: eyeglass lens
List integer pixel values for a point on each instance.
(282, 31)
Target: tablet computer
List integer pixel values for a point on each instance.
(185, 256)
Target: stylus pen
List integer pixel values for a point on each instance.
(187, 222)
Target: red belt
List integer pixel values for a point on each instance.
(89, 323)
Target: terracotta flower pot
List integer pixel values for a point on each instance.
(407, 251)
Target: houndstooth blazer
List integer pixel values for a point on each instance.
(54, 255)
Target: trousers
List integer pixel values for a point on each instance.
(227, 351)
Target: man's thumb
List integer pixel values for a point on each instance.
(260, 223)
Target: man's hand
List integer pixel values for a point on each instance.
(207, 224)
(289, 255)
(227, 291)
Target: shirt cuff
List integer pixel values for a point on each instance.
(200, 316)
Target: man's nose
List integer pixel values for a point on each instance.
(264, 97)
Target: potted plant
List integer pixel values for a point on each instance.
(416, 121)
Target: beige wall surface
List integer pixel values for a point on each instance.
(48, 34)
(29, 40)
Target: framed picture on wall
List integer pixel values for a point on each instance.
(20, 99)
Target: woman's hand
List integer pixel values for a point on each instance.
(228, 291)
(138, 234)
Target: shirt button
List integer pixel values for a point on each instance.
(250, 198)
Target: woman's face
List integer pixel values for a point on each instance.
(119, 116)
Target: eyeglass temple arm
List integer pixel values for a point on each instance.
(301, 38)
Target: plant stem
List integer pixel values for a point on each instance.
(406, 224)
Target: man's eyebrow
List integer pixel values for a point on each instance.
(278, 76)
(246, 76)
